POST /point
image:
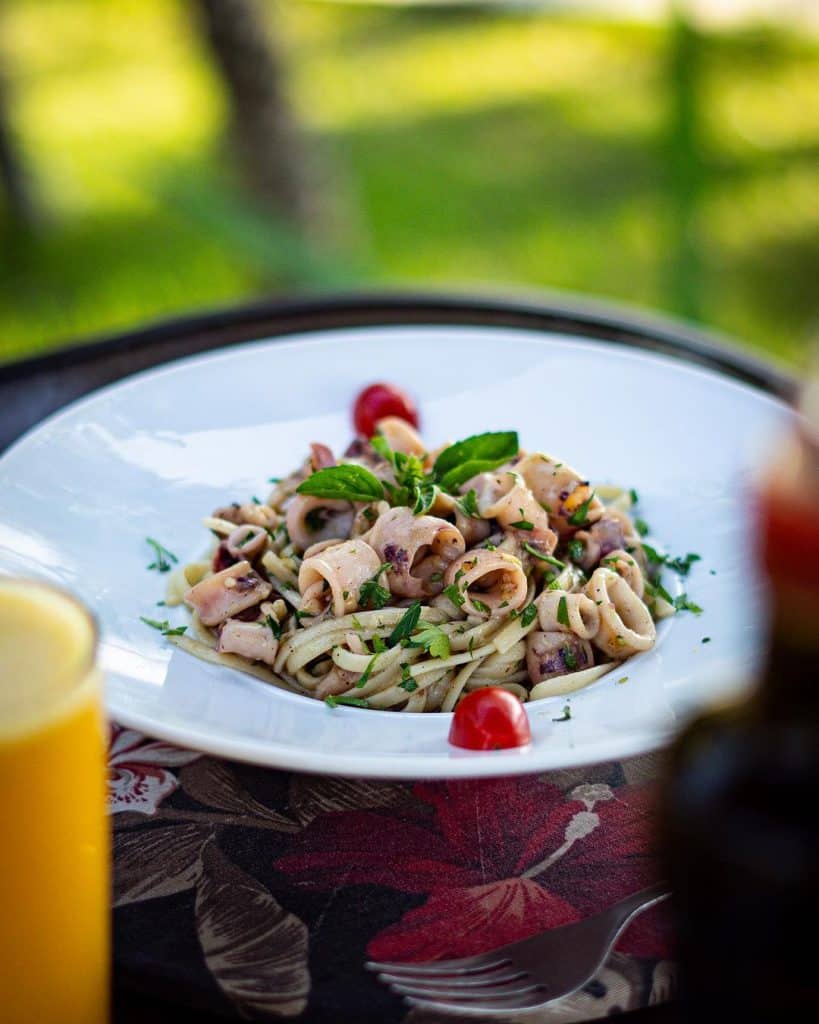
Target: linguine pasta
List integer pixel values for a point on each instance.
(399, 579)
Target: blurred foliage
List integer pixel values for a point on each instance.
(651, 164)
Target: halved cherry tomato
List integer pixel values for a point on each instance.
(489, 719)
(380, 400)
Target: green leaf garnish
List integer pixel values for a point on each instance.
(567, 714)
(543, 558)
(681, 565)
(563, 611)
(351, 702)
(635, 498)
(522, 524)
(405, 625)
(164, 627)
(453, 592)
(468, 504)
(528, 615)
(432, 639)
(365, 675)
(581, 513)
(162, 557)
(642, 527)
(683, 604)
(371, 594)
(575, 549)
(477, 454)
(347, 482)
(479, 605)
(274, 626)
(569, 658)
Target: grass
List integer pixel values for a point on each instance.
(656, 167)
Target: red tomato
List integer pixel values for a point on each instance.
(490, 719)
(380, 400)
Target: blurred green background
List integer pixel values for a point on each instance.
(658, 164)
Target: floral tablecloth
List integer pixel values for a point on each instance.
(259, 894)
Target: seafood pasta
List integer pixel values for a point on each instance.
(400, 578)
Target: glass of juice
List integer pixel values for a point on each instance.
(54, 845)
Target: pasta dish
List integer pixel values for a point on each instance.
(399, 578)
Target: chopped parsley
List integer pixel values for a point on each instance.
(581, 513)
(352, 702)
(543, 558)
(522, 523)
(368, 671)
(255, 500)
(378, 644)
(273, 625)
(635, 498)
(407, 682)
(569, 658)
(405, 625)
(642, 527)
(304, 615)
(371, 594)
(528, 615)
(555, 584)
(164, 627)
(575, 549)
(653, 555)
(683, 604)
(706, 640)
(472, 647)
(274, 479)
(682, 566)
(567, 714)
(433, 639)
(563, 611)
(656, 590)
(468, 504)
(453, 593)
(162, 557)
(479, 605)
(623, 679)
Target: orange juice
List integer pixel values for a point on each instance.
(54, 844)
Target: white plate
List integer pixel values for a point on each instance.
(153, 454)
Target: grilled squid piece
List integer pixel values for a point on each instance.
(565, 495)
(310, 520)
(400, 436)
(581, 615)
(249, 514)
(247, 542)
(227, 593)
(471, 529)
(491, 582)
(626, 626)
(506, 497)
(252, 640)
(331, 578)
(418, 548)
(625, 565)
(550, 654)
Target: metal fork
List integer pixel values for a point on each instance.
(523, 976)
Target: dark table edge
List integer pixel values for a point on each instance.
(553, 312)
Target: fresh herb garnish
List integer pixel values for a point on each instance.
(656, 590)
(528, 615)
(642, 527)
(653, 555)
(274, 626)
(453, 592)
(468, 504)
(581, 513)
(472, 647)
(274, 479)
(555, 584)
(479, 605)
(567, 714)
(623, 679)
(563, 611)
(681, 565)
(477, 454)
(432, 639)
(706, 640)
(347, 482)
(164, 627)
(371, 594)
(405, 625)
(365, 675)
(522, 523)
(352, 702)
(569, 659)
(162, 557)
(635, 498)
(304, 615)
(683, 604)
(543, 558)
(575, 549)
(407, 682)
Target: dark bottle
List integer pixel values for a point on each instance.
(741, 795)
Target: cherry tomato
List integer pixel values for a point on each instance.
(380, 400)
(489, 719)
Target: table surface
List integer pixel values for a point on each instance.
(32, 389)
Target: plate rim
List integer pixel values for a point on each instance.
(691, 347)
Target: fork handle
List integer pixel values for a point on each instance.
(624, 912)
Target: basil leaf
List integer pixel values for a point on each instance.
(347, 482)
(476, 454)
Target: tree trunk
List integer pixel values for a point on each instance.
(267, 141)
(12, 174)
